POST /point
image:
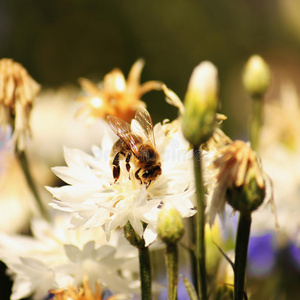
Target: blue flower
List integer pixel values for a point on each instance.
(261, 255)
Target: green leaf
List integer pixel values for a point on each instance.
(226, 257)
(190, 289)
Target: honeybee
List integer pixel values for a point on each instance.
(137, 146)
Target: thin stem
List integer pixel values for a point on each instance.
(192, 249)
(256, 121)
(171, 257)
(145, 273)
(241, 252)
(25, 167)
(200, 224)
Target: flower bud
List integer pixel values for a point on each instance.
(200, 104)
(256, 76)
(170, 224)
(247, 197)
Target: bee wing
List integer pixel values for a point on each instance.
(123, 131)
(145, 127)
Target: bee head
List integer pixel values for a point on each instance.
(151, 173)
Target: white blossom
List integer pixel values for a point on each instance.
(93, 199)
(57, 257)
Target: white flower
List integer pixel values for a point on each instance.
(56, 257)
(94, 199)
(45, 146)
(32, 276)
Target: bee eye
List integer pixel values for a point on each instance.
(146, 173)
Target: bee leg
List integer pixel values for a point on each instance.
(148, 184)
(137, 175)
(127, 161)
(116, 167)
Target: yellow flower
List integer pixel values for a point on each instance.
(116, 96)
(17, 91)
(81, 293)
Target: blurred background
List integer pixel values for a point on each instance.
(59, 41)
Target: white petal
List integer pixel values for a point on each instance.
(150, 234)
(72, 252)
(136, 225)
(21, 289)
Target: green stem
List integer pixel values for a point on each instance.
(25, 167)
(241, 252)
(256, 121)
(192, 249)
(171, 257)
(145, 273)
(200, 224)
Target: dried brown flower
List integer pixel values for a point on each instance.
(241, 180)
(237, 159)
(116, 96)
(17, 92)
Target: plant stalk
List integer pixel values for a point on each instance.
(25, 167)
(241, 252)
(145, 273)
(256, 121)
(171, 257)
(192, 252)
(200, 224)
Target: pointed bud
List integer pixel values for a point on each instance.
(256, 76)
(170, 224)
(200, 104)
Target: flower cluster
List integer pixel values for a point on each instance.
(134, 189)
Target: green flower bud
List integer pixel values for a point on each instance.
(133, 238)
(170, 225)
(256, 76)
(200, 104)
(247, 197)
